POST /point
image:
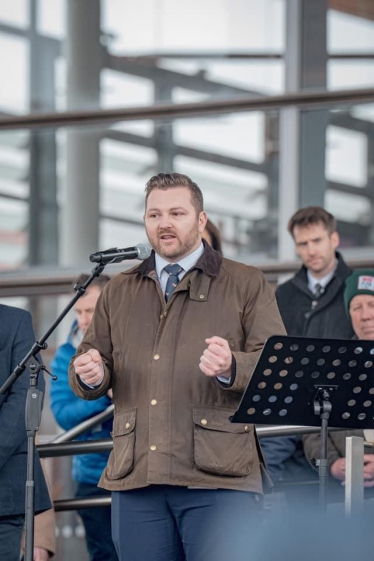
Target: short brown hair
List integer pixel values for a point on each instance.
(166, 181)
(100, 281)
(312, 215)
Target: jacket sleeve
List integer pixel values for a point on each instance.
(261, 320)
(97, 336)
(68, 409)
(312, 449)
(45, 531)
(12, 411)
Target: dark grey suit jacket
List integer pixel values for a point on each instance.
(16, 339)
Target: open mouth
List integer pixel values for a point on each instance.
(167, 237)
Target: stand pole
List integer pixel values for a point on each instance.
(322, 407)
(34, 402)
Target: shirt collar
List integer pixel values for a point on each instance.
(186, 263)
(324, 281)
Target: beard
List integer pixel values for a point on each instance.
(181, 246)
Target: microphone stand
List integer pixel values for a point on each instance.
(34, 402)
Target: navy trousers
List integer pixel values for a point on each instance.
(97, 525)
(10, 537)
(170, 523)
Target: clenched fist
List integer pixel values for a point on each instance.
(89, 367)
(217, 358)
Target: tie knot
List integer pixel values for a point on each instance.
(173, 270)
(318, 290)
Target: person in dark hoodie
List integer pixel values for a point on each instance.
(311, 305)
(70, 410)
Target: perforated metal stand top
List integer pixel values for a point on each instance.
(292, 372)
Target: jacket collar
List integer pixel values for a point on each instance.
(209, 263)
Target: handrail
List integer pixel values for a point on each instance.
(61, 505)
(84, 426)
(307, 99)
(54, 448)
(39, 281)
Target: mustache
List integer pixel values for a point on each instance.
(166, 232)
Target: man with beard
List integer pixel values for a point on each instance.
(177, 339)
(311, 305)
(359, 305)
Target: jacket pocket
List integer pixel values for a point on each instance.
(221, 447)
(121, 459)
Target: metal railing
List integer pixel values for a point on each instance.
(84, 426)
(305, 100)
(63, 446)
(47, 282)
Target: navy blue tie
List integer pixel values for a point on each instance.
(318, 290)
(173, 271)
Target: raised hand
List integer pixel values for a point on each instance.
(89, 367)
(217, 358)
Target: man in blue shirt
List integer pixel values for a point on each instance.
(69, 410)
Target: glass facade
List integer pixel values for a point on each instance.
(154, 52)
(148, 59)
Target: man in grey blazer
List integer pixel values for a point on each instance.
(16, 339)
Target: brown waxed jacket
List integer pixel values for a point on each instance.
(171, 422)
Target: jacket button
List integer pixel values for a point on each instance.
(153, 447)
(154, 402)
(201, 296)
(156, 357)
(127, 425)
(204, 422)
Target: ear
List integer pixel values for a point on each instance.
(335, 239)
(202, 221)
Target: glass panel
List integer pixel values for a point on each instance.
(148, 58)
(233, 157)
(349, 34)
(14, 91)
(51, 20)
(345, 146)
(14, 12)
(228, 29)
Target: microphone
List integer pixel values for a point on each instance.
(115, 255)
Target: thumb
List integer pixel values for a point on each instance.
(95, 355)
(217, 340)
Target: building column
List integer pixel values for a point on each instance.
(302, 180)
(80, 223)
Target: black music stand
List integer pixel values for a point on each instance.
(312, 382)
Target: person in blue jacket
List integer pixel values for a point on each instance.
(70, 410)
